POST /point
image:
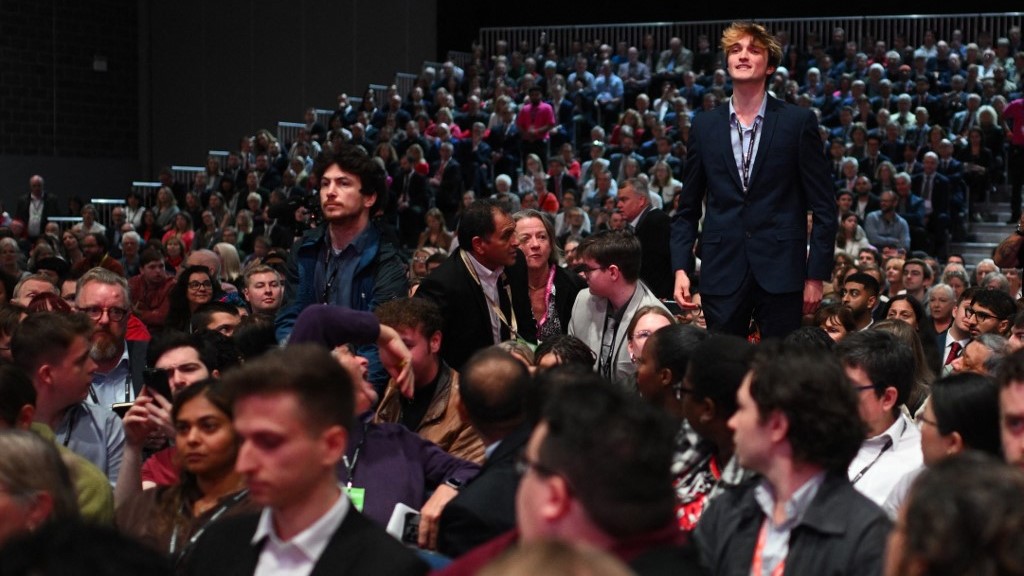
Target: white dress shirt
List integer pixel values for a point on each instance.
(883, 475)
(299, 555)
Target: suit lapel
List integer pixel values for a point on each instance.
(343, 549)
(767, 132)
(725, 145)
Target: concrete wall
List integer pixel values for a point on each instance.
(181, 77)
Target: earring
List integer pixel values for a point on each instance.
(678, 389)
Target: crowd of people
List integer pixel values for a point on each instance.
(622, 310)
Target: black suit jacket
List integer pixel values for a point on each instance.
(941, 193)
(654, 230)
(449, 193)
(357, 547)
(466, 313)
(486, 506)
(50, 209)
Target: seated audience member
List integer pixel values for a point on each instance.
(183, 359)
(860, 296)
(963, 516)
(151, 289)
(95, 249)
(29, 286)
(990, 311)
(981, 355)
(35, 486)
(554, 558)
(962, 413)
(796, 425)
(563, 349)
(293, 410)
(924, 374)
(433, 410)
(568, 490)
(168, 517)
(646, 321)
(379, 454)
(53, 349)
(611, 263)
(494, 388)
(701, 396)
(17, 407)
(217, 316)
(836, 320)
(880, 368)
(264, 290)
(195, 286)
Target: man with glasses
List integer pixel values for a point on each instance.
(607, 491)
(94, 248)
(103, 296)
(990, 312)
(610, 261)
(880, 367)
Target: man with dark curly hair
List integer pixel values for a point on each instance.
(796, 425)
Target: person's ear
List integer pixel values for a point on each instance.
(889, 398)
(334, 440)
(25, 416)
(954, 443)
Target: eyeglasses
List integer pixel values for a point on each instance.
(586, 270)
(982, 316)
(922, 420)
(196, 285)
(865, 387)
(96, 312)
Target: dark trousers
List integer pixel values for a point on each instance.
(776, 315)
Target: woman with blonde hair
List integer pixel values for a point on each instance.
(230, 264)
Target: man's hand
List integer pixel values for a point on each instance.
(159, 411)
(682, 291)
(812, 295)
(396, 358)
(430, 516)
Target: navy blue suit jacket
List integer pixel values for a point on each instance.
(764, 230)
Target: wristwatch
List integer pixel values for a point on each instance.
(1020, 231)
(454, 484)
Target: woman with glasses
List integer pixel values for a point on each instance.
(172, 518)
(195, 286)
(646, 321)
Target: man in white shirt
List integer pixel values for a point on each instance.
(293, 411)
(880, 367)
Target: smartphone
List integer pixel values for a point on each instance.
(156, 380)
(673, 307)
(121, 408)
(411, 528)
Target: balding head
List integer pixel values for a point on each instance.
(204, 257)
(493, 386)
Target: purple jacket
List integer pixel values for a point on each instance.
(396, 465)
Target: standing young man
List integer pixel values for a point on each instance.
(759, 164)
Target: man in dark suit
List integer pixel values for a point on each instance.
(493, 389)
(446, 183)
(653, 228)
(36, 208)
(412, 200)
(293, 410)
(936, 191)
(758, 161)
(471, 286)
(474, 157)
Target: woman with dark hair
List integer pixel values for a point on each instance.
(851, 236)
(171, 518)
(701, 397)
(962, 413)
(150, 230)
(182, 230)
(978, 161)
(835, 319)
(194, 287)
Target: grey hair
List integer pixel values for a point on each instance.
(997, 345)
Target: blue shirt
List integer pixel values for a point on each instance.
(742, 148)
(341, 266)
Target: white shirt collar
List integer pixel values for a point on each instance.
(897, 431)
(310, 543)
(485, 274)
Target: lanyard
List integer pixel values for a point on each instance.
(747, 158)
(351, 467)
(864, 470)
(513, 328)
(71, 424)
(756, 565)
(329, 275)
(187, 513)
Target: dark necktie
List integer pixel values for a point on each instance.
(954, 352)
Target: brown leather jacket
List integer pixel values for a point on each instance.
(442, 424)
